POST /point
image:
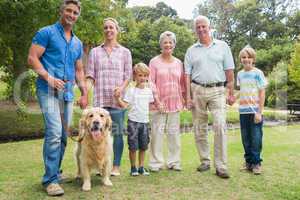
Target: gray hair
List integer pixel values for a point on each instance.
(167, 34)
(201, 18)
(67, 2)
(113, 20)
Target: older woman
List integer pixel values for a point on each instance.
(110, 69)
(167, 76)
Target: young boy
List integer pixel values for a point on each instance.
(252, 84)
(138, 99)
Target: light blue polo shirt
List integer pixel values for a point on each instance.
(207, 64)
(59, 58)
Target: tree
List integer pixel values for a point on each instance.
(294, 74)
(19, 21)
(153, 13)
(143, 39)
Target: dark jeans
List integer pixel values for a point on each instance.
(251, 134)
(117, 116)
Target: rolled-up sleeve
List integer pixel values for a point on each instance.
(41, 37)
(90, 70)
(187, 63)
(127, 66)
(228, 58)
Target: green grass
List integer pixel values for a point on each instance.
(30, 124)
(21, 169)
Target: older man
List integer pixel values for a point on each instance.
(55, 55)
(209, 68)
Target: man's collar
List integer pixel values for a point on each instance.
(199, 44)
(61, 28)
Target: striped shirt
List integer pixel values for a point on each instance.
(250, 83)
(108, 72)
(168, 83)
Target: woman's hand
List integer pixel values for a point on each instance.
(189, 103)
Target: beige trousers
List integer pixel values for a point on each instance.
(161, 123)
(214, 100)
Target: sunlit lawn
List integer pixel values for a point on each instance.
(21, 170)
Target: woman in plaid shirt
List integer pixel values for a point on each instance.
(109, 69)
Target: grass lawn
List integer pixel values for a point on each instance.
(21, 169)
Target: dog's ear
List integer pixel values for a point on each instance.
(108, 125)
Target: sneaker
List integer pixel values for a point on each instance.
(143, 171)
(246, 167)
(175, 168)
(154, 169)
(222, 173)
(203, 167)
(54, 189)
(134, 171)
(257, 170)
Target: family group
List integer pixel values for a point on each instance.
(203, 83)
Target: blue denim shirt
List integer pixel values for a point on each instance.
(59, 58)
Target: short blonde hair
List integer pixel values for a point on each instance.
(113, 20)
(141, 68)
(249, 51)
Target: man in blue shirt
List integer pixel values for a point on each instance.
(55, 55)
(208, 66)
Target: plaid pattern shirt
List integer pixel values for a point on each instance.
(108, 72)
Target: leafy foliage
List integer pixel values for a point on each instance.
(143, 40)
(294, 75)
(276, 91)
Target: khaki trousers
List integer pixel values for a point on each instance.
(161, 123)
(211, 99)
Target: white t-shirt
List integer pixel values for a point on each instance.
(138, 100)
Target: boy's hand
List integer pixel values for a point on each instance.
(117, 92)
(257, 118)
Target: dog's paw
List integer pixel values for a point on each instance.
(107, 182)
(86, 187)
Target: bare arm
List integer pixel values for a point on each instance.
(189, 102)
(261, 95)
(122, 103)
(230, 86)
(35, 52)
(81, 82)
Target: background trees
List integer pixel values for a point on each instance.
(269, 26)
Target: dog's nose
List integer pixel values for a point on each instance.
(96, 123)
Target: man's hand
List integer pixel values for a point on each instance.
(230, 100)
(56, 83)
(83, 101)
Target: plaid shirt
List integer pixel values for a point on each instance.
(108, 72)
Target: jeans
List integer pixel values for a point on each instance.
(57, 116)
(251, 133)
(117, 116)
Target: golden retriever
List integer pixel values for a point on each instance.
(94, 148)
